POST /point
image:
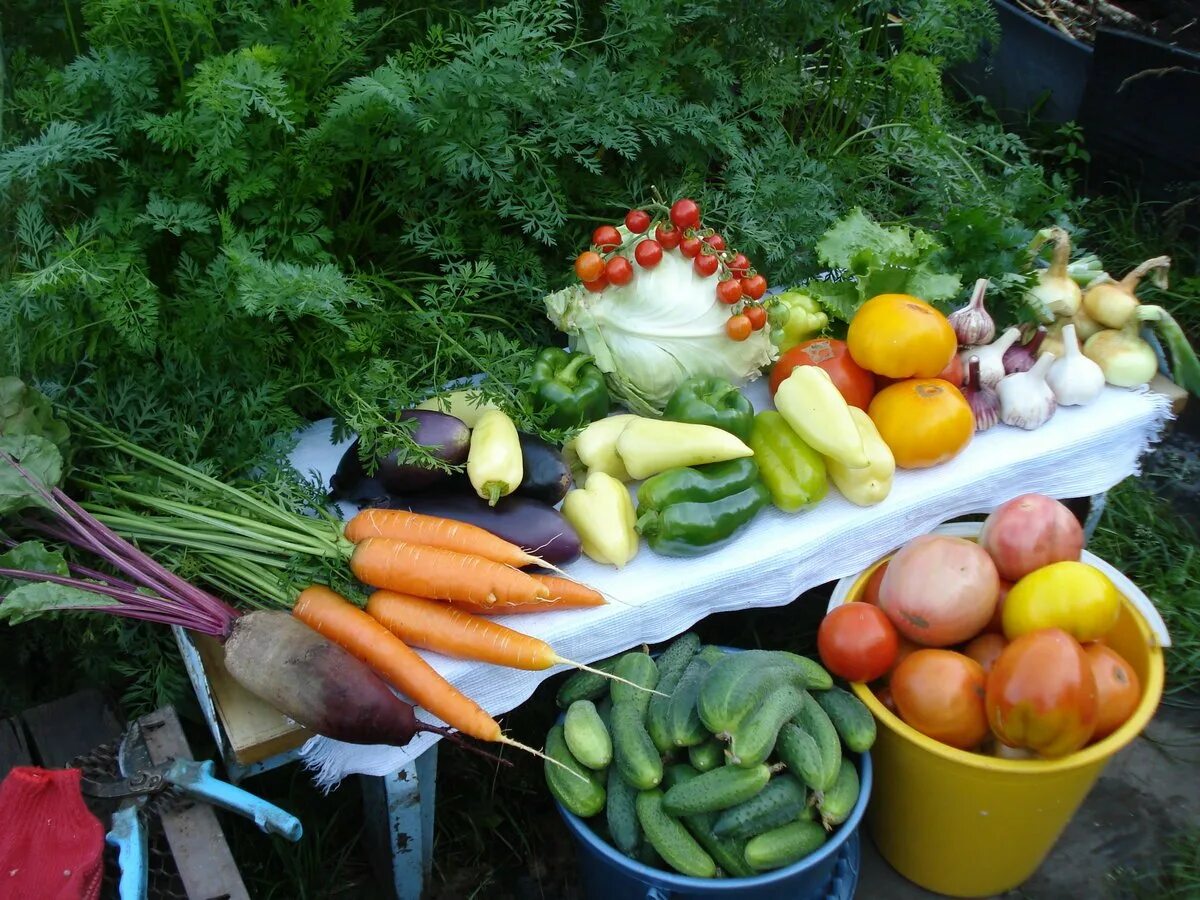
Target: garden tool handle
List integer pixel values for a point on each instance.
(128, 835)
(197, 779)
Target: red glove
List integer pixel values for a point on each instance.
(51, 846)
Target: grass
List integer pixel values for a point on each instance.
(1176, 877)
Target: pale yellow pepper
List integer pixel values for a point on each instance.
(816, 410)
(650, 446)
(872, 483)
(596, 447)
(601, 512)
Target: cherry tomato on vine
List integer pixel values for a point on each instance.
(715, 241)
(738, 327)
(606, 237)
(668, 235)
(729, 291)
(858, 642)
(618, 270)
(637, 220)
(685, 213)
(754, 286)
(706, 264)
(757, 316)
(690, 247)
(596, 286)
(648, 253)
(739, 264)
(588, 265)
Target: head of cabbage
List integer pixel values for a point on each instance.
(648, 336)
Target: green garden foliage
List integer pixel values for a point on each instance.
(220, 218)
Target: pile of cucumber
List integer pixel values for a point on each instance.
(734, 767)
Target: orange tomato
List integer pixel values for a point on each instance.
(1041, 694)
(924, 421)
(986, 649)
(997, 623)
(870, 591)
(901, 337)
(1117, 688)
(940, 693)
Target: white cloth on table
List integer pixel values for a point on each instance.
(1081, 451)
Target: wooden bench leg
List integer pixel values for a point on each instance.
(398, 825)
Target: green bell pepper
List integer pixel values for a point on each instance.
(570, 386)
(793, 471)
(711, 401)
(799, 318)
(689, 511)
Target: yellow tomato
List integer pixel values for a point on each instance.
(901, 337)
(924, 421)
(1073, 596)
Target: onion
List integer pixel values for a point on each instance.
(1056, 294)
(1114, 303)
(1123, 356)
(1028, 532)
(939, 590)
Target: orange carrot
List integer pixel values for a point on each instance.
(441, 574)
(434, 531)
(334, 617)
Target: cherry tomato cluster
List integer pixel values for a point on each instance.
(677, 228)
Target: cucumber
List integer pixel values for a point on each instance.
(683, 720)
(604, 711)
(837, 802)
(634, 754)
(639, 668)
(673, 842)
(716, 790)
(584, 796)
(648, 856)
(783, 846)
(753, 739)
(585, 685)
(621, 813)
(587, 737)
(798, 751)
(817, 677)
(677, 773)
(850, 717)
(814, 720)
(738, 683)
(671, 666)
(783, 800)
(728, 853)
(707, 756)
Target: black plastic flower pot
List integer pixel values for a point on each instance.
(1033, 70)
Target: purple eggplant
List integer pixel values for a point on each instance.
(446, 438)
(547, 478)
(532, 526)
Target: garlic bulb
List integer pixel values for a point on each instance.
(1021, 357)
(1026, 401)
(1056, 294)
(1074, 379)
(972, 323)
(991, 357)
(985, 405)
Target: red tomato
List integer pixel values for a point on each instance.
(754, 286)
(739, 327)
(715, 241)
(690, 247)
(589, 266)
(940, 693)
(870, 591)
(668, 236)
(596, 286)
(857, 642)
(1118, 690)
(729, 291)
(618, 270)
(685, 213)
(739, 264)
(997, 622)
(648, 253)
(637, 220)
(986, 649)
(706, 264)
(953, 372)
(757, 316)
(1041, 694)
(855, 383)
(606, 237)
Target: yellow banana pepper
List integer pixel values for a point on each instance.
(816, 410)
(596, 447)
(650, 446)
(494, 463)
(872, 483)
(601, 512)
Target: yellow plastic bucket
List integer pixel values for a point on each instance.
(971, 825)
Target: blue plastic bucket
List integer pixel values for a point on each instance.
(831, 872)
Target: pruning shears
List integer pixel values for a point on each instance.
(143, 779)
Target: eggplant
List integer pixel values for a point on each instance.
(446, 437)
(547, 478)
(533, 526)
